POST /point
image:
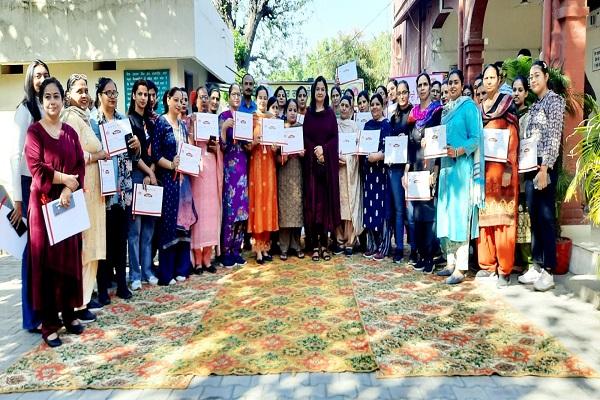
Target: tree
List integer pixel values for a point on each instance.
(244, 17)
(372, 59)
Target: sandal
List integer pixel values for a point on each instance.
(300, 254)
(283, 256)
(325, 255)
(316, 256)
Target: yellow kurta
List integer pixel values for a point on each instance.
(94, 239)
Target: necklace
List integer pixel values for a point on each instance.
(52, 130)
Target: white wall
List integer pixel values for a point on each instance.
(592, 42)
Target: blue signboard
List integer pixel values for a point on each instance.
(160, 77)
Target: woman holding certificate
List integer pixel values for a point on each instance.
(103, 120)
(461, 182)
(178, 213)
(55, 159)
(235, 185)
(289, 190)
(546, 122)
(28, 112)
(362, 101)
(262, 183)
(377, 196)
(351, 210)
(207, 189)
(498, 219)
(141, 227)
(321, 171)
(399, 124)
(94, 239)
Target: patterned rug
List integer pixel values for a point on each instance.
(419, 326)
(131, 346)
(282, 317)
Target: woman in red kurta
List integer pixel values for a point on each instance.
(55, 159)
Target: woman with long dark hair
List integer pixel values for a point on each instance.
(141, 227)
(28, 112)
(178, 213)
(546, 123)
(281, 96)
(321, 171)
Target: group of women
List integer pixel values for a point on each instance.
(252, 188)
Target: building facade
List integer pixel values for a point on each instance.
(177, 42)
(438, 35)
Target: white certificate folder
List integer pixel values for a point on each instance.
(147, 200)
(396, 149)
(108, 181)
(64, 222)
(435, 142)
(496, 144)
(418, 186)
(113, 136)
(205, 126)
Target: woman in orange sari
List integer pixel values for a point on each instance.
(262, 187)
(498, 219)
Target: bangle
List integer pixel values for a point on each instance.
(172, 165)
(60, 177)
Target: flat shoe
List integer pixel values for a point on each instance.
(300, 254)
(283, 256)
(454, 280)
(75, 329)
(445, 272)
(53, 342)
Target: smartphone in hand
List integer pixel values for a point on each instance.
(20, 227)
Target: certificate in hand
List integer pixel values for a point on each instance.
(348, 143)
(300, 119)
(418, 188)
(11, 241)
(361, 119)
(396, 150)
(147, 200)
(294, 138)
(435, 142)
(64, 222)
(496, 144)
(242, 127)
(368, 142)
(347, 72)
(108, 181)
(205, 126)
(113, 136)
(528, 155)
(272, 131)
(190, 158)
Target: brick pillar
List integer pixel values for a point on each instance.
(568, 49)
(473, 58)
(474, 15)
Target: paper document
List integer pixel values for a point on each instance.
(435, 142)
(147, 200)
(108, 181)
(418, 188)
(64, 222)
(396, 149)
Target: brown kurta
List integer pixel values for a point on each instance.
(55, 271)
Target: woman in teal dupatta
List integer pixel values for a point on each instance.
(462, 183)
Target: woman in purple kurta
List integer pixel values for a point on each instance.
(55, 159)
(235, 185)
(321, 171)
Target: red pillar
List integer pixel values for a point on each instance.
(570, 16)
(474, 15)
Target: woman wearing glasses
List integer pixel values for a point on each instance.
(206, 189)
(75, 114)
(116, 217)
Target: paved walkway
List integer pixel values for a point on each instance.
(576, 323)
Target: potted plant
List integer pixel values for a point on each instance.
(586, 183)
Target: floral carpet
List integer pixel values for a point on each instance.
(281, 317)
(419, 326)
(343, 315)
(132, 344)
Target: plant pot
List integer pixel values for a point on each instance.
(563, 255)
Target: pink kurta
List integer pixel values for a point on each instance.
(206, 190)
(55, 271)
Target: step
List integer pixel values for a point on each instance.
(585, 256)
(584, 287)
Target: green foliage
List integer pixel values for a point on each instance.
(587, 176)
(372, 56)
(240, 52)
